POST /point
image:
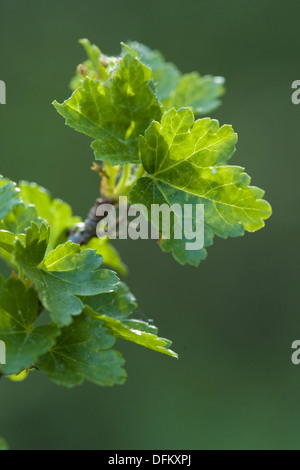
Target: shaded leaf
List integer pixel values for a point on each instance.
(18, 312)
(109, 254)
(118, 304)
(201, 93)
(148, 191)
(115, 308)
(83, 352)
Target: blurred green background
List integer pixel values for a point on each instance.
(234, 318)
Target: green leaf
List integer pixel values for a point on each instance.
(115, 112)
(97, 65)
(7, 242)
(165, 74)
(93, 52)
(57, 213)
(183, 156)
(9, 196)
(148, 191)
(118, 304)
(14, 225)
(201, 93)
(18, 312)
(135, 335)
(20, 218)
(115, 308)
(63, 274)
(179, 144)
(109, 254)
(83, 352)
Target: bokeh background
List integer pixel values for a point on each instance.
(234, 318)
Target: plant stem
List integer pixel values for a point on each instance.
(110, 182)
(121, 187)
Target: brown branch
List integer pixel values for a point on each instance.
(82, 235)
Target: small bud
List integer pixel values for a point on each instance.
(82, 70)
(98, 169)
(103, 61)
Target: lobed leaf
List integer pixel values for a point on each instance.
(114, 112)
(18, 312)
(97, 66)
(108, 252)
(83, 352)
(166, 75)
(62, 275)
(185, 160)
(56, 212)
(149, 191)
(13, 226)
(118, 304)
(136, 335)
(201, 93)
(113, 310)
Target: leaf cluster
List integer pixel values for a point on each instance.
(143, 116)
(61, 311)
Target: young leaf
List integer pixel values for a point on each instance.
(165, 74)
(56, 212)
(201, 93)
(58, 215)
(7, 243)
(83, 352)
(97, 65)
(62, 275)
(20, 218)
(115, 112)
(14, 225)
(18, 312)
(183, 156)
